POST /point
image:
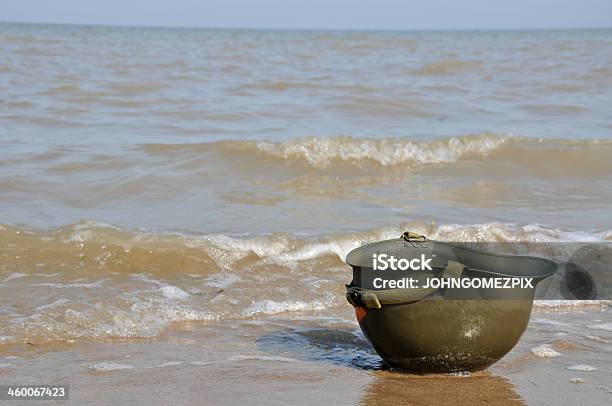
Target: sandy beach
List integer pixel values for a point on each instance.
(176, 205)
(303, 360)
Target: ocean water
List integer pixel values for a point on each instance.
(155, 176)
(231, 132)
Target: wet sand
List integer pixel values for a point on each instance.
(281, 360)
(178, 369)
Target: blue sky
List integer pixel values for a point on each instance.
(316, 14)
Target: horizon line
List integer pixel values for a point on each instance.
(171, 26)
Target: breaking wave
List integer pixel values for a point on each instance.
(94, 280)
(322, 153)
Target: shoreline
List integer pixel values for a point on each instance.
(293, 357)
